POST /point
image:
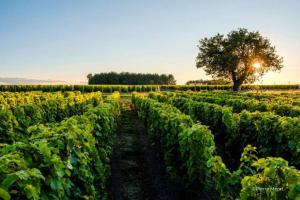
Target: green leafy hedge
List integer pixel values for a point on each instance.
(238, 103)
(81, 88)
(136, 88)
(66, 160)
(271, 134)
(176, 135)
(12, 99)
(227, 87)
(189, 154)
(15, 121)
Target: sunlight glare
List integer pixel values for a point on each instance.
(256, 65)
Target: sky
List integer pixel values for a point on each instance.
(67, 39)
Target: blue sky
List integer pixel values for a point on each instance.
(66, 40)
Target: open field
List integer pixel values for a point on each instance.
(150, 145)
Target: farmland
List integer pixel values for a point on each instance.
(149, 100)
(149, 142)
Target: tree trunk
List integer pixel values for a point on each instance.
(237, 85)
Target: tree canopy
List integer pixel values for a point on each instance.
(241, 56)
(126, 78)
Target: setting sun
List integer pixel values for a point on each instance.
(256, 65)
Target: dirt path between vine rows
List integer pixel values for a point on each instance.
(137, 170)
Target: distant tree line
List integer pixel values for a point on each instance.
(126, 78)
(209, 82)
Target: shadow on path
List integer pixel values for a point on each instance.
(137, 170)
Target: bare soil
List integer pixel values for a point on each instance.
(137, 169)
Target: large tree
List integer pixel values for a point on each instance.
(241, 56)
